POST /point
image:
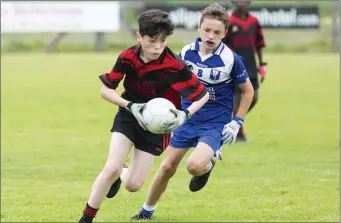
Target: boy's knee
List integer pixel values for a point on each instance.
(133, 186)
(111, 171)
(194, 167)
(168, 169)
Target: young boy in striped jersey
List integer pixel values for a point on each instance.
(219, 69)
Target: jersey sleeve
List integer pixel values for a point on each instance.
(188, 85)
(260, 43)
(238, 72)
(114, 77)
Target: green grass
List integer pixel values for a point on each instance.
(55, 137)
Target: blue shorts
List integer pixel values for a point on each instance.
(189, 135)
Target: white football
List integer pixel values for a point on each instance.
(156, 113)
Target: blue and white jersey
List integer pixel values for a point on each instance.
(219, 72)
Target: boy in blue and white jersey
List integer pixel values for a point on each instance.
(219, 69)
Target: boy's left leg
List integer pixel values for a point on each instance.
(200, 165)
(134, 176)
(139, 168)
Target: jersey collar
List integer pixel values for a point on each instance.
(217, 51)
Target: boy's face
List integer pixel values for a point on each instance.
(152, 47)
(211, 32)
(242, 5)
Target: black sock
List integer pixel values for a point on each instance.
(89, 212)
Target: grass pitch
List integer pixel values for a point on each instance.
(55, 138)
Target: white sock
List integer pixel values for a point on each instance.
(148, 208)
(124, 174)
(211, 165)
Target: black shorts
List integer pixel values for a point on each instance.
(254, 83)
(146, 141)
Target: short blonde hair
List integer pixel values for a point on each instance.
(216, 11)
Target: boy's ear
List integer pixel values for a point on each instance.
(138, 37)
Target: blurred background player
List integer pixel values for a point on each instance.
(245, 37)
(151, 70)
(219, 69)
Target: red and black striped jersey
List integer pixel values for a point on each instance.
(244, 37)
(167, 77)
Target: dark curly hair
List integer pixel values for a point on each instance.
(155, 23)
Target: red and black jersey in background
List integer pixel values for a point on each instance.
(167, 77)
(244, 37)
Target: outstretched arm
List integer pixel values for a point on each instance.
(246, 99)
(196, 105)
(112, 96)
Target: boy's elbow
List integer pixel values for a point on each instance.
(205, 98)
(248, 89)
(104, 91)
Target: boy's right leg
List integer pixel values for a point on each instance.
(119, 149)
(147, 147)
